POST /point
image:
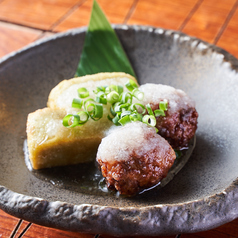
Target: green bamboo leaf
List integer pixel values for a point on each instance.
(102, 50)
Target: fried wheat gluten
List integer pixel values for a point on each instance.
(51, 144)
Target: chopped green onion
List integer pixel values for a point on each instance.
(109, 117)
(100, 89)
(87, 101)
(163, 105)
(136, 117)
(131, 85)
(96, 111)
(122, 109)
(83, 117)
(150, 111)
(78, 120)
(138, 94)
(117, 107)
(110, 88)
(124, 120)
(112, 111)
(126, 97)
(149, 120)
(125, 113)
(119, 89)
(159, 112)
(67, 120)
(77, 103)
(113, 97)
(115, 120)
(133, 107)
(101, 98)
(83, 93)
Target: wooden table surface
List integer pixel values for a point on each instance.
(24, 21)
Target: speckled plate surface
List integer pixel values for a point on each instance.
(203, 195)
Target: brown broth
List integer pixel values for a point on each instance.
(86, 177)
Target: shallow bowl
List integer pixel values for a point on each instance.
(203, 195)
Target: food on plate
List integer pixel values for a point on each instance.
(51, 144)
(134, 157)
(131, 130)
(62, 95)
(179, 124)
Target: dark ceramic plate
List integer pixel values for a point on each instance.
(203, 195)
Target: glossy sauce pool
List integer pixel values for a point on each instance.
(87, 178)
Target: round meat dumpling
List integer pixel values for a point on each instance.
(134, 157)
(179, 124)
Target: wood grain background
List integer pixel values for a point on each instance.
(24, 21)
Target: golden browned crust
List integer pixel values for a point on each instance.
(51, 144)
(65, 84)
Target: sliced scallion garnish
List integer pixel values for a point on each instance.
(122, 109)
(100, 98)
(138, 94)
(124, 120)
(131, 85)
(77, 103)
(149, 109)
(159, 112)
(149, 120)
(75, 120)
(140, 108)
(126, 97)
(83, 93)
(113, 97)
(163, 106)
(96, 111)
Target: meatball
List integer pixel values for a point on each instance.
(179, 124)
(134, 157)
